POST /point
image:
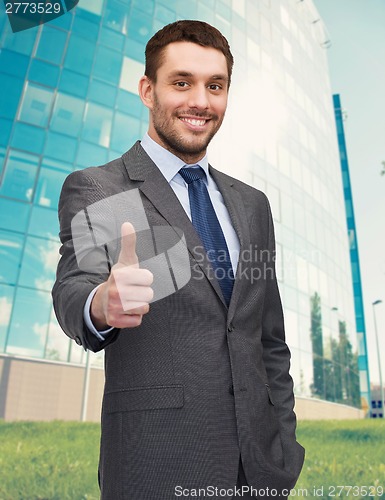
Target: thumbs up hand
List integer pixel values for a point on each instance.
(122, 300)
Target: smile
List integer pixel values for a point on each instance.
(196, 122)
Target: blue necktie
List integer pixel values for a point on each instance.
(207, 225)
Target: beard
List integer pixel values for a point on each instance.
(182, 145)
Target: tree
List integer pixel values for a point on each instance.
(348, 368)
(335, 373)
(318, 387)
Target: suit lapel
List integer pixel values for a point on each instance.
(158, 191)
(235, 206)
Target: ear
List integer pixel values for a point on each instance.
(145, 89)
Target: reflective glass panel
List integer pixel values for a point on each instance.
(5, 132)
(73, 83)
(140, 26)
(10, 252)
(102, 93)
(11, 89)
(108, 65)
(22, 43)
(85, 27)
(164, 15)
(13, 214)
(144, 5)
(48, 187)
(19, 177)
(13, 63)
(36, 105)
(80, 54)
(39, 263)
(134, 49)
(44, 73)
(28, 328)
(67, 115)
(129, 103)
(44, 222)
(116, 16)
(94, 6)
(125, 132)
(131, 73)
(91, 155)
(63, 22)
(51, 44)
(28, 138)
(97, 124)
(224, 10)
(61, 147)
(6, 301)
(58, 344)
(2, 159)
(187, 9)
(112, 39)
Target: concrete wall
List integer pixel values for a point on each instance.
(316, 409)
(47, 390)
(33, 389)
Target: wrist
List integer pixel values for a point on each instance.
(97, 315)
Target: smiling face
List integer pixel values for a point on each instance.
(188, 100)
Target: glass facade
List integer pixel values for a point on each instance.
(69, 100)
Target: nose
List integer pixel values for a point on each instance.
(198, 97)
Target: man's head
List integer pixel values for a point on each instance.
(185, 87)
(197, 32)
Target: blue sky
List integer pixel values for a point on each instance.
(357, 69)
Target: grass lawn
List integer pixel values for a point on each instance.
(343, 453)
(58, 460)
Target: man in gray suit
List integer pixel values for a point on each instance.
(198, 399)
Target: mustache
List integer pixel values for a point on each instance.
(197, 114)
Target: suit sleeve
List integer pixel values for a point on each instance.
(79, 272)
(276, 355)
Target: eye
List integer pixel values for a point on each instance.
(181, 85)
(215, 86)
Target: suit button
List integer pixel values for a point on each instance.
(231, 389)
(230, 328)
(78, 341)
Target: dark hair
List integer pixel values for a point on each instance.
(197, 32)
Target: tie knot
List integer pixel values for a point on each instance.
(191, 174)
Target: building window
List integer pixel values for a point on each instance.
(36, 105)
(19, 177)
(67, 115)
(51, 45)
(130, 75)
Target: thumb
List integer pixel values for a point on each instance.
(127, 254)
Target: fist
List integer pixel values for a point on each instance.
(125, 297)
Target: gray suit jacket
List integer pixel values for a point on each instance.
(197, 385)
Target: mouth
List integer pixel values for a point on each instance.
(195, 123)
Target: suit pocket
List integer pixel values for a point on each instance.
(144, 398)
(269, 394)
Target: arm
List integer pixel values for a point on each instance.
(123, 290)
(276, 357)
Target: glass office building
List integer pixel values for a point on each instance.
(69, 100)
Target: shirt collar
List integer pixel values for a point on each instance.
(167, 162)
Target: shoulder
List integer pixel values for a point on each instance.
(85, 187)
(248, 193)
(113, 172)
